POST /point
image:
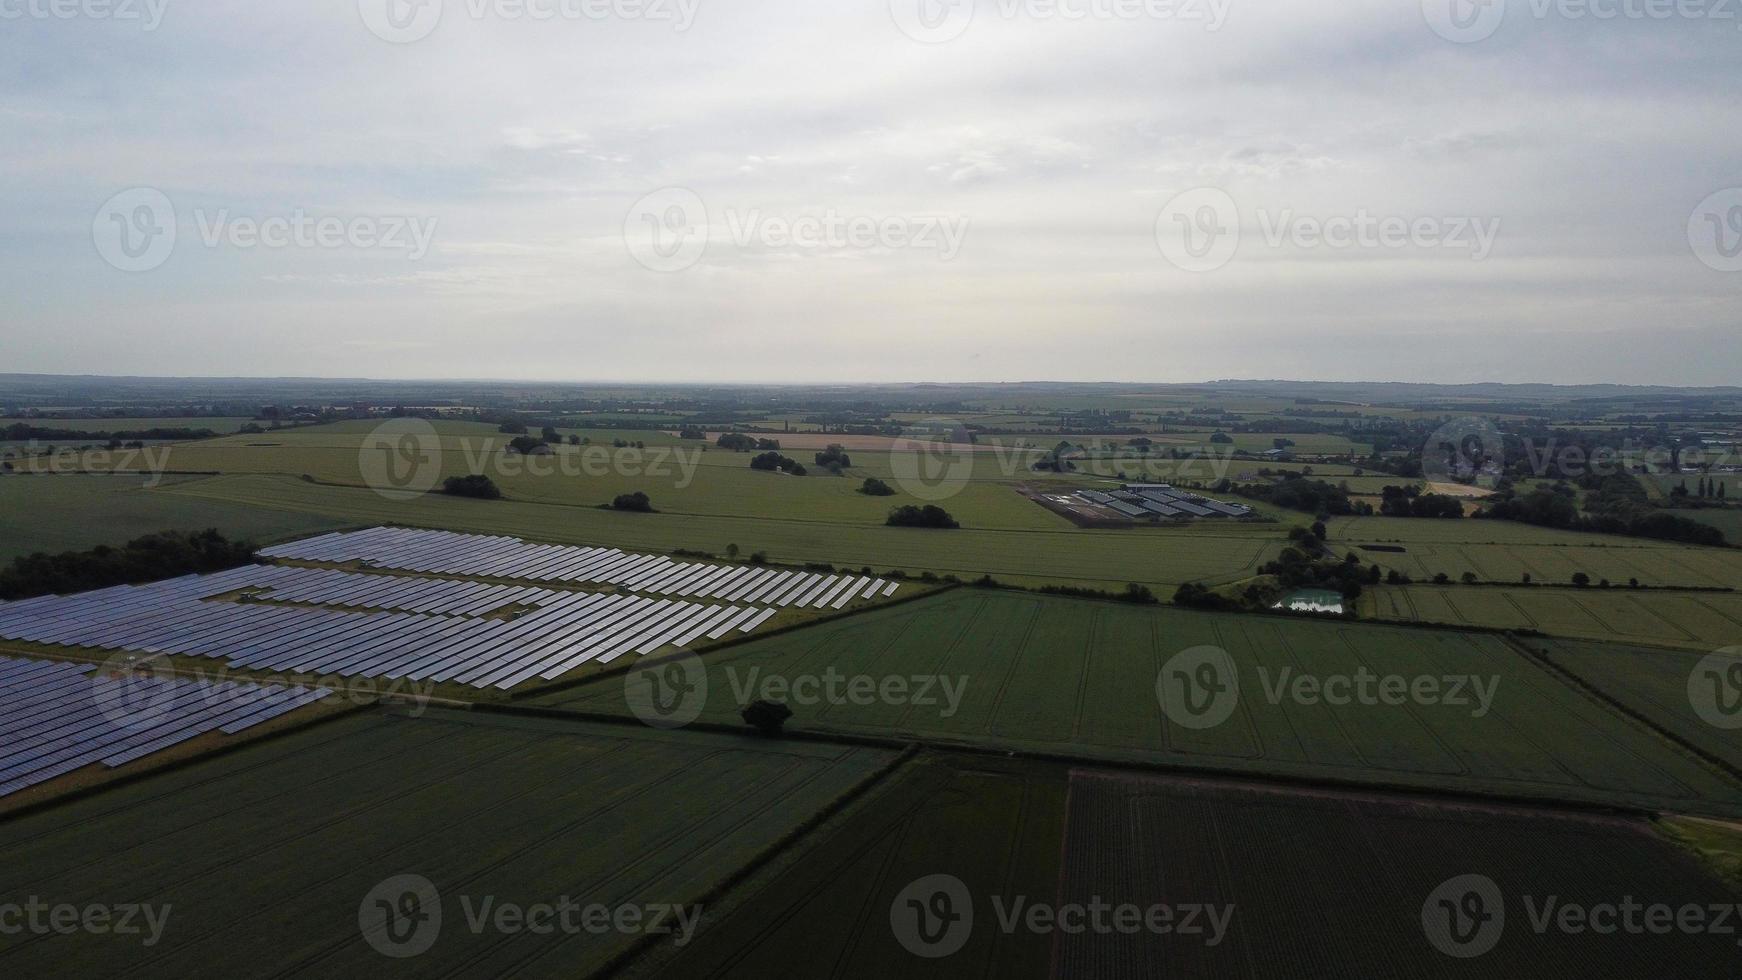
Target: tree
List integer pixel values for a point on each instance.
(930, 516)
(691, 432)
(774, 462)
(1319, 530)
(835, 457)
(1221, 439)
(873, 487)
(1581, 580)
(512, 428)
(477, 487)
(528, 446)
(731, 551)
(1469, 578)
(551, 435)
(637, 502)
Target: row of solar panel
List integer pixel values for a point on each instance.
(57, 717)
(168, 617)
(448, 597)
(478, 555)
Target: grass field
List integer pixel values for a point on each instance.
(72, 512)
(271, 851)
(1160, 557)
(1504, 551)
(993, 825)
(1339, 885)
(1080, 678)
(1656, 684)
(1697, 620)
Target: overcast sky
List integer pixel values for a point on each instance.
(1015, 194)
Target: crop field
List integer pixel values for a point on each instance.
(1660, 685)
(74, 512)
(1101, 559)
(1697, 620)
(1326, 884)
(1080, 678)
(276, 847)
(1505, 551)
(220, 425)
(993, 825)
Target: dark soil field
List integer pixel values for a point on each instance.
(1331, 885)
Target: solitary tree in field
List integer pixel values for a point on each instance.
(1581, 580)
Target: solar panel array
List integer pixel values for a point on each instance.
(564, 629)
(489, 556)
(59, 717)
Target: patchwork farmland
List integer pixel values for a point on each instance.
(1079, 679)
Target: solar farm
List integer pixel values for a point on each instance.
(59, 717)
(482, 634)
(1138, 503)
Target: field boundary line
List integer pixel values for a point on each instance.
(174, 765)
(1590, 689)
(793, 838)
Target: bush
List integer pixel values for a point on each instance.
(873, 487)
(636, 502)
(476, 487)
(528, 446)
(767, 717)
(930, 515)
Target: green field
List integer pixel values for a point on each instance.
(1656, 684)
(1697, 620)
(1160, 557)
(73, 513)
(270, 851)
(1504, 551)
(995, 826)
(1079, 678)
